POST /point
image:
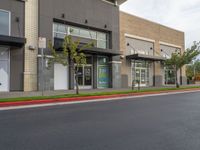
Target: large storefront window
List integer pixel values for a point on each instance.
(138, 46)
(169, 73)
(140, 73)
(4, 22)
(100, 38)
(103, 72)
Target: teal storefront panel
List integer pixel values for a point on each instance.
(103, 77)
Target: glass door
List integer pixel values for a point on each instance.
(88, 76)
(80, 76)
(141, 76)
(85, 77)
(137, 76)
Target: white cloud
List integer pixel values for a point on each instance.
(183, 15)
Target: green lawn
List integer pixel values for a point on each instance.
(92, 94)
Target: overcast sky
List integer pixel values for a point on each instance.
(183, 15)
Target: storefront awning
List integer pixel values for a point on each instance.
(145, 57)
(12, 41)
(99, 51)
(94, 50)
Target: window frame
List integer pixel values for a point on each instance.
(68, 27)
(9, 19)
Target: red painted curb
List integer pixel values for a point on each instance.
(76, 99)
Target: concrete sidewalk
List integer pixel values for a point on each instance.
(86, 99)
(62, 92)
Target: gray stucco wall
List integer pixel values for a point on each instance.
(16, 54)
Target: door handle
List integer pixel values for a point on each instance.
(0, 84)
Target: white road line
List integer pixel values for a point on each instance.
(92, 101)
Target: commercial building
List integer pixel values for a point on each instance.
(84, 20)
(126, 48)
(146, 45)
(87, 20)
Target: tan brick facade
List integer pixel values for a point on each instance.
(31, 34)
(159, 34)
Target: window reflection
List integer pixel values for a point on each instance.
(4, 22)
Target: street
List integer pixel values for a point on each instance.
(169, 122)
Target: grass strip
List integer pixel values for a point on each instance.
(2, 100)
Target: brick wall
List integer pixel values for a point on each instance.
(138, 27)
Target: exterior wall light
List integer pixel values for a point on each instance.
(31, 47)
(122, 57)
(17, 19)
(63, 15)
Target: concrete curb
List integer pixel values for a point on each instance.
(88, 98)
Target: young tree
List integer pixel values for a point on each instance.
(178, 60)
(72, 55)
(192, 70)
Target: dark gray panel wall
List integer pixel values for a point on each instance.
(97, 12)
(16, 69)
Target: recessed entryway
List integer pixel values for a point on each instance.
(85, 74)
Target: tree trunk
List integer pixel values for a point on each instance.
(176, 77)
(77, 87)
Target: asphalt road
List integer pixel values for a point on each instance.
(153, 123)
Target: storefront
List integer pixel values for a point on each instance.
(98, 70)
(94, 74)
(11, 46)
(11, 63)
